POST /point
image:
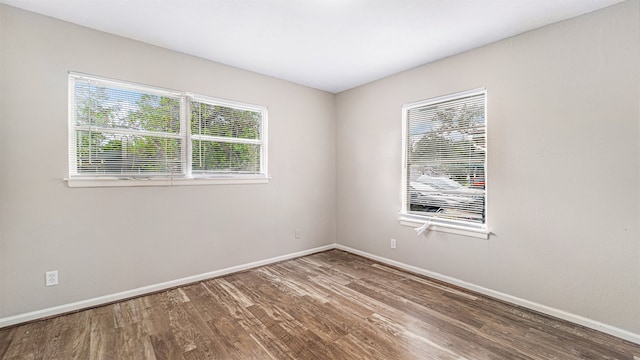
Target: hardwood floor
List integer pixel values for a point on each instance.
(331, 305)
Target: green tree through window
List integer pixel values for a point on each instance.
(126, 130)
(220, 136)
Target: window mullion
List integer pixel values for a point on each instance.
(185, 119)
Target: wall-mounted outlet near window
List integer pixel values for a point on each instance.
(51, 278)
(393, 243)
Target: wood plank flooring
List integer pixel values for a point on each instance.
(331, 305)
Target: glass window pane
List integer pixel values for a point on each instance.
(225, 157)
(223, 121)
(113, 107)
(110, 154)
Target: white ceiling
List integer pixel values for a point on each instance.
(331, 45)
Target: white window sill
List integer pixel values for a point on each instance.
(480, 233)
(134, 182)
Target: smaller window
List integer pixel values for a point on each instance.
(225, 138)
(444, 152)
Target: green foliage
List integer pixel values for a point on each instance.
(156, 113)
(90, 111)
(90, 108)
(210, 123)
(223, 121)
(221, 141)
(101, 151)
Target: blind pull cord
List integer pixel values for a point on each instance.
(424, 227)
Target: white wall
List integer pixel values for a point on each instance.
(564, 167)
(108, 240)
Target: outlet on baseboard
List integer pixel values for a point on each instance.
(51, 278)
(393, 243)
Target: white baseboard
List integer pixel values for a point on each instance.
(101, 300)
(577, 319)
(84, 304)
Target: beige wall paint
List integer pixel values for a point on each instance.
(107, 240)
(564, 167)
(2, 271)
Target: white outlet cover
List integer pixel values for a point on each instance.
(51, 278)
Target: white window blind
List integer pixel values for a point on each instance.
(225, 139)
(127, 131)
(124, 131)
(445, 158)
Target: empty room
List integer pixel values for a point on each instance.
(320, 179)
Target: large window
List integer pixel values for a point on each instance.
(127, 131)
(444, 159)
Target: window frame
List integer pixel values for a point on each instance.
(406, 218)
(186, 177)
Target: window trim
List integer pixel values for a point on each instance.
(414, 222)
(448, 226)
(85, 182)
(186, 177)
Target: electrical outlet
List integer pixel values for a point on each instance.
(51, 278)
(297, 233)
(393, 243)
